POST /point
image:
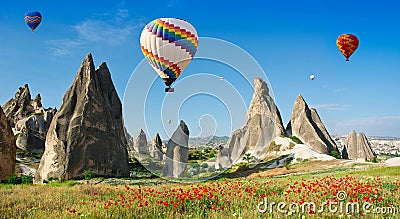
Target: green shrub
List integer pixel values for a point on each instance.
(50, 179)
(205, 154)
(296, 139)
(204, 165)
(211, 155)
(26, 179)
(195, 154)
(88, 174)
(207, 150)
(248, 157)
(14, 179)
(242, 165)
(194, 164)
(336, 154)
(374, 160)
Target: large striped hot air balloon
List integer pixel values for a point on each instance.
(347, 44)
(33, 19)
(169, 45)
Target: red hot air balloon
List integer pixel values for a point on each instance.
(347, 44)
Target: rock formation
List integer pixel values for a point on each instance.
(140, 144)
(307, 126)
(357, 147)
(129, 139)
(31, 133)
(263, 123)
(156, 148)
(19, 107)
(351, 141)
(177, 152)
(87, 133)
(48, 116)
(7, 148)
(29, 120)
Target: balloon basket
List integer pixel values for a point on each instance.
(169, 89)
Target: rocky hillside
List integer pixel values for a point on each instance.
(7, 148)
(306, 125)
(29, 120)
(87, 133)
(357, 147)
(263, 123)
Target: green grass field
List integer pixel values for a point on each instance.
(222, 198)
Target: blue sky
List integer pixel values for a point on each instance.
(289, 39)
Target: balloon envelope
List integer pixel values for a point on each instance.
(169, 45)
(312, 77)
(347, 44)
(33, 19)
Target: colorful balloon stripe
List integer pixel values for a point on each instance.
(33, 19)
(174, 34)
(347, 44)
(169, 44)
(170, 69)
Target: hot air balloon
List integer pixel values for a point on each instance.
(312, 77)
(169, 121)
(347, 44)
(169, 45)
(221, 78)
(33, 19)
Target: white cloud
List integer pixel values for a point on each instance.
(60, 51)
(108, 29)
(63, 47)
(95, 31)
(330, 106)
(122, 14)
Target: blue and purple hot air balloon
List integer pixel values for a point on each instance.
(33, 19)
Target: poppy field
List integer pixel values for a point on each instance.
(222, 198)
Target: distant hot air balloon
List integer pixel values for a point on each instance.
(221, 78)
(169, 45)
(33, 19)
(312, 77)
(347, 44)
(169, 121)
